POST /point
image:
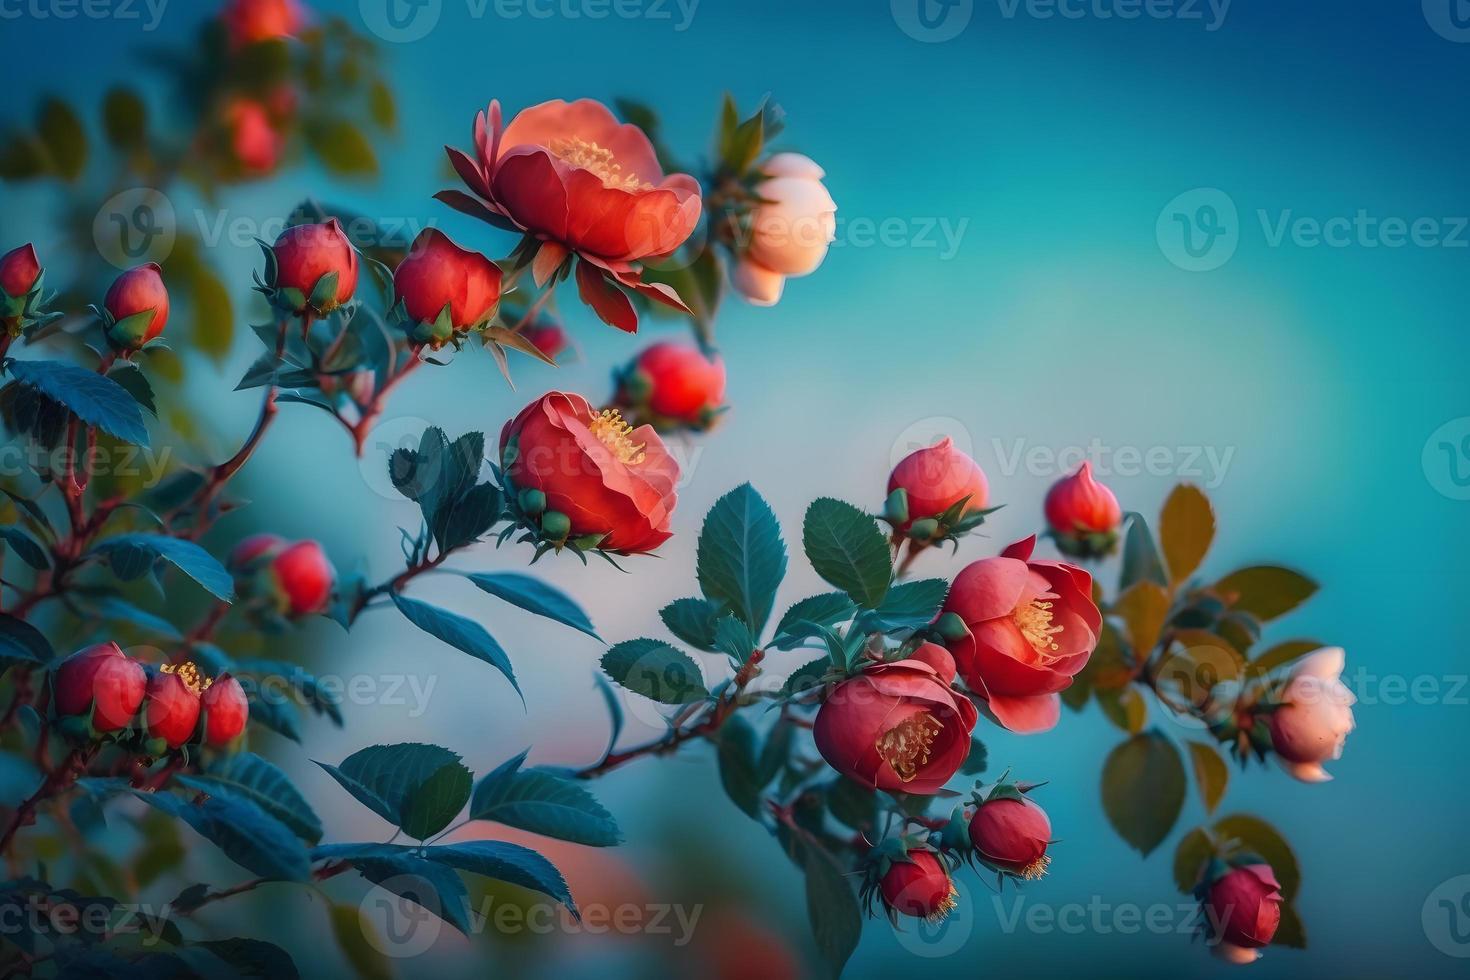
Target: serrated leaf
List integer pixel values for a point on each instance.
(742, 558)
(91, 397)
(410, 785)
(505, 862)
(543, 803)
(437, 801)
(1143, 789)
(846, 548)
(907, 606)
(131, 555)
(459, 632)
(433, 887)
(246, 834)
(1186, 528)
(692, 620)
(535, 596)
(249, 776)
(1265, 591)
(655, 670)
(739, 766)
(733, 639)
(826, 610)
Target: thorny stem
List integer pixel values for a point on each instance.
(329, 870)
(59, 779)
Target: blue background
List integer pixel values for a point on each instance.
(1059, 319)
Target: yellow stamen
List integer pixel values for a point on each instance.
(906, 746)
(597, 160)
(1034, 621)
(616, 434)
(1035, 869)
(190, 674)
(945, 907)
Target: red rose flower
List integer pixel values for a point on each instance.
(304, 578)
(919, 887)
(254, 140)
(1032, 625)
(19, 270)
(226, 710)
(257, 546)
(137, 301)
(103, 680)
(304, 254)
(1012, 835)
(602, 476)
(250, 21)
(896, 727)
(937, 478)
(678, 382)
(571, 175)
(171, 711)
(548, 337)
(1083, 514)
(1243, 911)
(439, 275)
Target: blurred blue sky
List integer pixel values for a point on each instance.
(1300, 383)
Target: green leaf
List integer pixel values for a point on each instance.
(733, 639)
(250, 777)
(907, 606)
(132, 555)
(431, 886)
(837, 922)
(132, 379)
(543, 803)
(806, 678)
(26, 548)
(742, 558)
(418, 788)
(1143, 789)
(1282, 654)
(977, 758)
(848, 550)
(739, 765)
(1141, 562)
(246, 834)
(20, 642)
(505, 862)
(536, 597)
(655, 670)
(252, 957)
(826, 610)
(459, 632)
(692, 620)
(1265, 591)
(351, 932)
(342, 147)
(94, 399)
(1186, 528)
(61, 131)
(1190, 857)
(1255, 835)
(124, 118)
(1211, 775)
(214, 315)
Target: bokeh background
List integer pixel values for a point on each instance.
(1008, 271)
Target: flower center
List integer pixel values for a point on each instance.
(190, 674)
(609, 426)
(1034, 621)
(945, 907)
(906, 746)
(1036, 869)
(597, 160)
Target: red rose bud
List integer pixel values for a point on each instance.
(938, 660)
(19, 271)
(1031, 627)
(896, 727)
(1316, 714)
(445, 290)
(251, 21)
(171, 711)
(254, 140)
(1012, 835)
(226, 711)
(934, 482)
(136, 307)
(919, 886)
(547, 337)
(304, 578)
(1243, 911)
(251, 550)
(675, 383)
(314, 268)
(1083, 515)
(100, 679)
(601, 478)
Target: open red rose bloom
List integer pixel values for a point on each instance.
(896, 727)
(1032, 627)
(606, 478)
(572, 176)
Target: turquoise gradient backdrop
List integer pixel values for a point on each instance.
(1050, 146)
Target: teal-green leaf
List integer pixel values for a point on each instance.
(26, 548)
(1141, 561)
(505, 862)
(837, 922)
(742, 558)
(410, 785)
(249, 836)
(827, 609)
(20, 642)
(247, 775)
(692, 620)
(459, 632)
(655, 670)
(543, 803)
(740, 765)
(94, 399)
(848, 550)
(535, 596)
(130, 555)
(907, 606)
